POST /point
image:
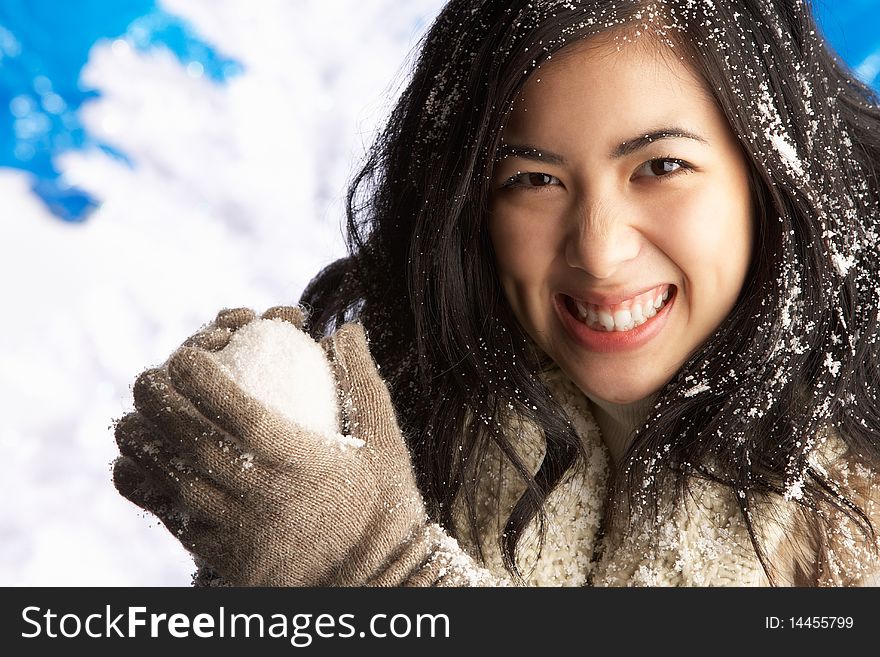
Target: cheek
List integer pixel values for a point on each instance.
(709, 237)
(711, 244)
(525, 249)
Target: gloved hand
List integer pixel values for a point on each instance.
(265, 502)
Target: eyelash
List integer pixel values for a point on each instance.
(516, 181)
(683, 167)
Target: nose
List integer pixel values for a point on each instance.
(601, 240)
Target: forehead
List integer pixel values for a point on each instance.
(613, 84)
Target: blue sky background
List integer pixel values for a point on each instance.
(43, 49)
(853, 28)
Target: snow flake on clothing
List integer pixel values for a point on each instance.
(701, 542)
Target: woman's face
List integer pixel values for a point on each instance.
(620, 216)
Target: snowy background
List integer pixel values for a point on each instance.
(160, 161)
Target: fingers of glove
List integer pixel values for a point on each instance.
(211, 338)
(156, 398)
(293, 314)
(223, 546)
(135, 485)
(217, 334)
(176, 460)
(155, 456)
(173, 496)
(214, 533)
(365, 400)
(203, 537)
(198, 377)
(206, 575)
(142, 442)
(193, 436)
(220, 458)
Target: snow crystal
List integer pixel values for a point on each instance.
(696, 390)
(842, 264)
(788, 152)
(775, 131)
(341, 440)
(795, 490)
(247, 461)
(832, 365)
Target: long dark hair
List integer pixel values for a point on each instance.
(797, 358)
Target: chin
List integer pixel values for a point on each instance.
(616, 390)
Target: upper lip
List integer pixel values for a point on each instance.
(611, 297)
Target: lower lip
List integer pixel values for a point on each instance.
(613, 341)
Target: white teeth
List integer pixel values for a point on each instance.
(599, 318)
(623, 320)
(636, 311)
(606, 320)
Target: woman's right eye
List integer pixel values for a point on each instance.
(531, 180)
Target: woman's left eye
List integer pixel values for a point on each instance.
(662, 167)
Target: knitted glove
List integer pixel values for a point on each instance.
(267, 502)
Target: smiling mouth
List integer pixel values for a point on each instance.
(624, 316)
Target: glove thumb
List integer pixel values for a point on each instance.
(365, 402)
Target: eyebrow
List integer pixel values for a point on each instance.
(628, 147)
(528, 152)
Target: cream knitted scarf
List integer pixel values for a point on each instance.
(702, 542)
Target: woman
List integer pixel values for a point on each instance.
(615, 259)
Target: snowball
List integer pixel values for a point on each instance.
(286, 370)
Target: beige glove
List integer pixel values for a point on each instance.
(265, 502)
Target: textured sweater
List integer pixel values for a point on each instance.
(702, 542)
